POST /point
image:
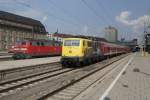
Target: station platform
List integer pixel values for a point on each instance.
(7, 65)
(4, 53)
(7, 56)
(130, 81)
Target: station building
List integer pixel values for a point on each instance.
(132, 44)
(14, 28)
(111, 34)
(59, 36)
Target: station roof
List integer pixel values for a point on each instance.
(20, 19)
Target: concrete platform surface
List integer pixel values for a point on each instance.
(7, 56)
(3, 52)
(5, 65)
(131, 81)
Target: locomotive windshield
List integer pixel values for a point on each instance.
(72, 43)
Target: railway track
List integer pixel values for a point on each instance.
(28, 71)
(7, 86)
(41, 86)
(5, 58)
(72, 91)
(5, 53)
(9, 57)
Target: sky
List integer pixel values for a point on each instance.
(85, 17)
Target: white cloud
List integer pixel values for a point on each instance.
(45, 18)
(135, 24)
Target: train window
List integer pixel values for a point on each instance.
(56, 44)
(23, 43)
(75, 42)
(34, 43)
(47, 43)
(38, 44)
(72, 43)
(51, 43)
(89, 44)
(67, 43)
(59, 43)
(30, 43)
(42, 43)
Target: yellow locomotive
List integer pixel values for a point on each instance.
(77, 51)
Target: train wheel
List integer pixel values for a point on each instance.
(89, 61)
(82, 63)
(78, 64)
(16, 56)
(92, 60)
(97, 59)
(26, 56)
(64, 64)
(85, 62)
(22, 56)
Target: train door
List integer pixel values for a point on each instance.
(84, 45)
(37, 49)
(43, 49)
(58, 48)
(30, 48)
(47, 47)
(101, 47)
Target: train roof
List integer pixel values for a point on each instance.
(91, 38)
(112, 44)
(76, 38)
(37, 40)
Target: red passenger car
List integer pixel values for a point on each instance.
(32, 48)
(110, 49)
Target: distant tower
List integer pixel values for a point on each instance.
(56, 31)
(111, 34)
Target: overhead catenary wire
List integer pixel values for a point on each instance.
(94, 12)
(47, 12)
(50, 2)
(107, 11)
(69, 14)
(56, 17)
(52, 15)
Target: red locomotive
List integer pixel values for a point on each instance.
(33, 48)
